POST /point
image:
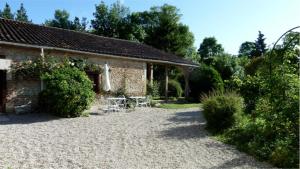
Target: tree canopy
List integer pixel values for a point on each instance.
(6, 12)
(159, 27)
(110, 21)
(260, 45)
(61, 20)
(165, 31)
(247, 49)
(210, 48)
(22, 14)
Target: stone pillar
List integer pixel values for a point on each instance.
(166, 82)
(151, 74)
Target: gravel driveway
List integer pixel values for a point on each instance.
(145, 138)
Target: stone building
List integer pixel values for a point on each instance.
(131, 63)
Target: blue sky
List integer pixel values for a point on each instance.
(231, 22)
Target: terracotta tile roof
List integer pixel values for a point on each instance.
(30, 34)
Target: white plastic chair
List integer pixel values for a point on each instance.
(112, 106)
(145, 102)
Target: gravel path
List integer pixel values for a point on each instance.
(145, 138)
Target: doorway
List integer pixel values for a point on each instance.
(2, 90)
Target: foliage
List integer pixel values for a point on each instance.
(68, 92)
(192, 55)
(204, 79)
(165, 31)
(154, 89)
(159, 27)
(221, 109)
(226, 65)
(209, 48)
(83, 65)
(6, 13)
(291, 41)
(35, 68)
(253, 65)
(271, 131)
(260, 45)
(120, 92)
(22, 14)
(61, 20)
(111, 21)
(247, 49)
(250, 89)
(175, 88)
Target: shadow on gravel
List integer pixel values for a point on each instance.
(240, 162)
(194, 129)
(189, 116)
(28, 118)
(185, 132)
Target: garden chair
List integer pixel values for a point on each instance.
(112, 106)
(145, 102)
(122, 102)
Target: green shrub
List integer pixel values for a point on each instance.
(154, 89)
(203, 80)
(253, 65)
(273, 133)
(250, 90)
(221, 110)
(68, 92)
(175, 89)
(226, 65)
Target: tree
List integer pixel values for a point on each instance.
(260, 46)
(164, 30)
(133, 28)
(226, 65)
(247, 49)
(292, 41)
(6, 13)
(210, 48)
(21, 14)
(159, 27)
(192, 55)
(110, 21)
(61, 20)
(79, 25)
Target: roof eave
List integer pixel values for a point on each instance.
(98, 54)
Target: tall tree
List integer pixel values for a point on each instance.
(260, 45)
(247, 49)
(192, 55)
(61, 20)
(165, 31)
(6, 13)
(79, 25)
(210, 48)
(159, 27)
(21, 14)
(109, 21)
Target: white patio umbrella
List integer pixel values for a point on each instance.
(106, 80)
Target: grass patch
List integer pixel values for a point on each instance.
(178, 105)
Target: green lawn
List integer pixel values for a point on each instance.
(178, 105)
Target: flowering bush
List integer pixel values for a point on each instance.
(68, 92)
(35, 68)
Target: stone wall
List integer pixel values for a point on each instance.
(127, 74)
